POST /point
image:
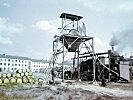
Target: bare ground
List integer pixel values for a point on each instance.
(75, 91)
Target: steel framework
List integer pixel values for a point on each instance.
(72, 39)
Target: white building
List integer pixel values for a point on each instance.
(38, 65)
(9, 63)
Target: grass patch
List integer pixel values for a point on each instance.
(4, 96)
(7, 86)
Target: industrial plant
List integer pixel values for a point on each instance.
(84, 63)
(87, 65)
(87, 75)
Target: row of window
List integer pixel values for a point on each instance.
(38, 66)
(9, 68)
(13, 60)
(35, 63)
(23, 61)
(8, 64)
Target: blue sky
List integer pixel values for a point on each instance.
(27, 27)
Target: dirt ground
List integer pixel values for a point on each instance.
(75, 91)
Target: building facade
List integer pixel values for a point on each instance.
(9, 63)
(38, 65)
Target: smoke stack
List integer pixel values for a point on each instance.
(112, 47)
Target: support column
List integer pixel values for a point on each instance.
(78, 65)
(94, 67)
(63, 62)
(53, 62)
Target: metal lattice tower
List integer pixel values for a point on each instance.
(72, 39)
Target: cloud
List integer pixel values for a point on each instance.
(5, 41)
(109, 6)
(38, 54)
(49, 26)
(9, 28)
(126, 7)
(100, 46)
(5, 4)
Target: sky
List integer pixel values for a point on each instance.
(27, 27)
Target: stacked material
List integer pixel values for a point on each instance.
(21, 76)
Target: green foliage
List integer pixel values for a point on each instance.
(10, 85)
(3, 96)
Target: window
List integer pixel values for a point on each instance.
(18, 64)
(0, 63)
(8, 64)
(25, 65)
(5, 64)
(15, 64)
(12, 60)
(4, 68)
(9, 60)
(12, 64)
(19, 60)
(0, 59)
(16, 60)
(5, 59)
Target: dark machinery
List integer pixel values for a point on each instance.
(105, 67)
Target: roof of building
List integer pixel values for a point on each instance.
(22, 58)
(13, 57)
(39, 60)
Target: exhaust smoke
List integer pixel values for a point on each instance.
(113, 42)
(123, 40)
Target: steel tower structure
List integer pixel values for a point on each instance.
(72, 38)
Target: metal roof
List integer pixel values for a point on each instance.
(22, 58)
(39, 60)
(71, 16)
(13, 57)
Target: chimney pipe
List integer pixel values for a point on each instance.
(112, 48)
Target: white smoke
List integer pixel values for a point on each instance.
(123, 40)
(114, 41)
